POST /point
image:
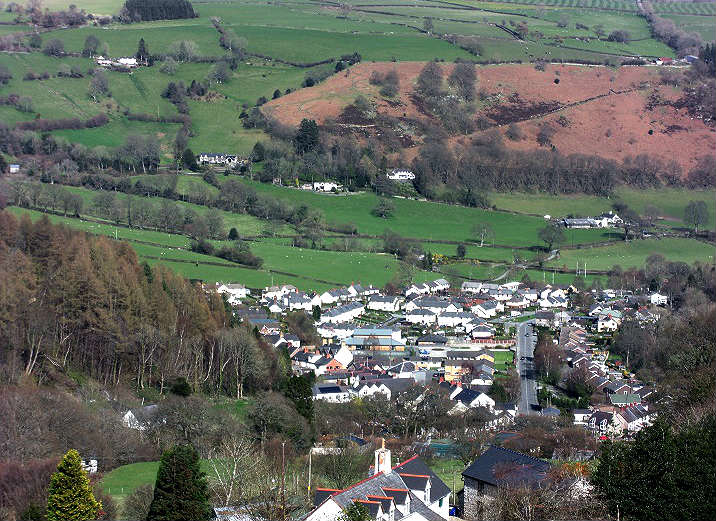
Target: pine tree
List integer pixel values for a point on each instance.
(142, 52)
(181, 492)
(70, 496)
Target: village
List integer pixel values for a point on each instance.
(461, 343)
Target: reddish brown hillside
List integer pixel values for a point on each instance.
(605, 109)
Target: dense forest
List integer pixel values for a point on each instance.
(72, 300)
(145, 10)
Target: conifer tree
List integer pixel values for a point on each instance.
(70, 496)
(181, 492)
(142, 52)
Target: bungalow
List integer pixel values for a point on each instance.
(482, 331)
(217, 159)
(331, 393)
(553, 302)
(376, 339)
(343, 313)
(335, 330)
(435, 305)
(265, 326)
(581, 416)
(580, 223)
(390, 388)
(471, 287)
(234, 292)
(455, 318)
(386, 303)
(431, 339)
(421, 316)
(624, 400)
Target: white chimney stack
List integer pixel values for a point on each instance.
(382, 460)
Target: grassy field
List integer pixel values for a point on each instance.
(122, 481)
(671, 202)
(502, 358)
(440, 221)
(635, 253)
(91, 6)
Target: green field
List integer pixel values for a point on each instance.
(671, 202)
(122, 481)
(635, 253)
(703, 25)
(440, 221)
(502, 359)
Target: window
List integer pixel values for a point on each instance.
(440, 503)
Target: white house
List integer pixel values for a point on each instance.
(386, 303)
(658, 299)
(409, 491)
(400, 174)
(331, 393)
(206, 158)
(421, 316)
(332, 296)
(335, 330)
(487, 309)
(343, 313)
(471, 287)
(607, 323)
(90, 466)
(138, 419)
(634, 418)
(234, 292)
(455, 318)
(326, 186)
(275, 292)
(470, 399)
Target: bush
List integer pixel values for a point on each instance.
(619, 36)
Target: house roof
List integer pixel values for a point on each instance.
(500, 465)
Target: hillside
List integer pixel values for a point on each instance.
(604, 111)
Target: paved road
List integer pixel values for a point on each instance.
(526, 341)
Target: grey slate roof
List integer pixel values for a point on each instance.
(498, 465)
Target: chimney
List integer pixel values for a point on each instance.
(382, 459)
